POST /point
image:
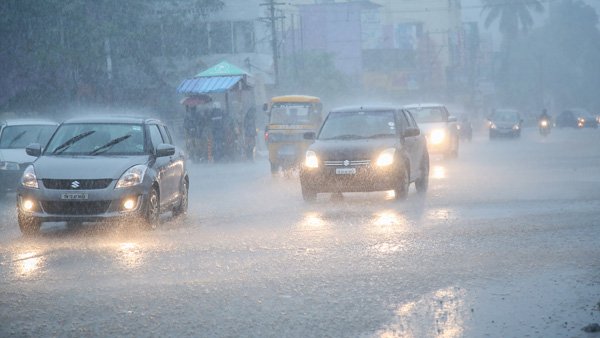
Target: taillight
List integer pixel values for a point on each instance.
(266, 136)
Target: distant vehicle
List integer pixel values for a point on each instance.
(363, 149)
(15, 135)
(465, 128)
(290, 116)
(544, 126)
(576, 118)
(438, 126)
(100, 169)
(505, 122)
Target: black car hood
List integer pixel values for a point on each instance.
(340, 150)
(85, 167)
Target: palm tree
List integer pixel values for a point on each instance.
(513, 15)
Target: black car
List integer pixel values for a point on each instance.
(576, 118)
(97, 169)
(505, 123)
(363, 149)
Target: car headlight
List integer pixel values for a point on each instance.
(516, 127)
(29, 179)
(311, 161)
(437, 136)
(492, 125)
(386, 157)
(132, 177)
(544, 123)
(4, 165)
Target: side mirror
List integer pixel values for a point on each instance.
(452, 119)
(265, 107)
(411, 132)
(164, 150)
(311, 135)
(34, 149)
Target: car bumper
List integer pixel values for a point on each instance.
(100, 205)
(509, 132)
(366, 179)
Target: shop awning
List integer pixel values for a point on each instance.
(208, 85)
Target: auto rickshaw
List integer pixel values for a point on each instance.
(290, 117)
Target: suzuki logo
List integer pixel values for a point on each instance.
(75, 184)
(346, 163)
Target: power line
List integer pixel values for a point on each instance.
(272, 20)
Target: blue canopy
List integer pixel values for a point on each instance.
(208, 85)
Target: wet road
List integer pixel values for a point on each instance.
(504, 244)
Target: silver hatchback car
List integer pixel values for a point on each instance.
(99, 169)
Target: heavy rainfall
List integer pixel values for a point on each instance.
(307, 168)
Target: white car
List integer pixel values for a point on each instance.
(15, 136)
(438, 126)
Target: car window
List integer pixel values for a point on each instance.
(19, 137)
(411, 121)
(96, 139)
(402, 121)
(505, 116)
(155, 135)
(166, 134)
(428, 114)
(358, 125)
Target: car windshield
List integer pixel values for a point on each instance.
(97, 139)
(427, 114)
(19, 137)
(505, 116)
(294, 113)
(358, 125)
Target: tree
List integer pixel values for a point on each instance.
(512, 15)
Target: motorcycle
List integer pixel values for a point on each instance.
(544, 127)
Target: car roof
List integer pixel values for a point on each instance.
(112, 119)
(28, 122)
(371, 108)
(423, 105)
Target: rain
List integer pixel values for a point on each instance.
(307, 168)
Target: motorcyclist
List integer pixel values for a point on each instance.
(544, 115)
(544, 122)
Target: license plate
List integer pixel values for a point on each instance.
(345, 171)
(74, 196)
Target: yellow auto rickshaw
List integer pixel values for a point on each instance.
(290, 117)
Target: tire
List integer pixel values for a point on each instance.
(152, 212)
(274, 168)
(401, 190)
(182, 208)
(422, 183)
(309, 195)
(30, 226)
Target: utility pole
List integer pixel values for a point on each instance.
(272, 20)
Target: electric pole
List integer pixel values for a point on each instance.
(272, 20)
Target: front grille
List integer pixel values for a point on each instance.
(82, 184)
(350, 163)
(75, 207)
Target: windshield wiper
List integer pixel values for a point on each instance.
(61, 148)
(345, 137)
(108, 145)
(17, 137)
(383, 135)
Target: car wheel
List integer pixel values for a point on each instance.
(401, 190)
(422, 183)
(309, 195)
(274, 167)
(182, 208)
(152, 216)
(30, 226)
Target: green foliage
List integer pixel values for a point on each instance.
(313, 73)
(559, 63)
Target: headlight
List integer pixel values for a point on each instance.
(29, 179)
(437, 136)
(516, 127)
(492, 125)
(312, 161)
(386, 157)
(132, 177)
(9, 165)
(544, 123)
